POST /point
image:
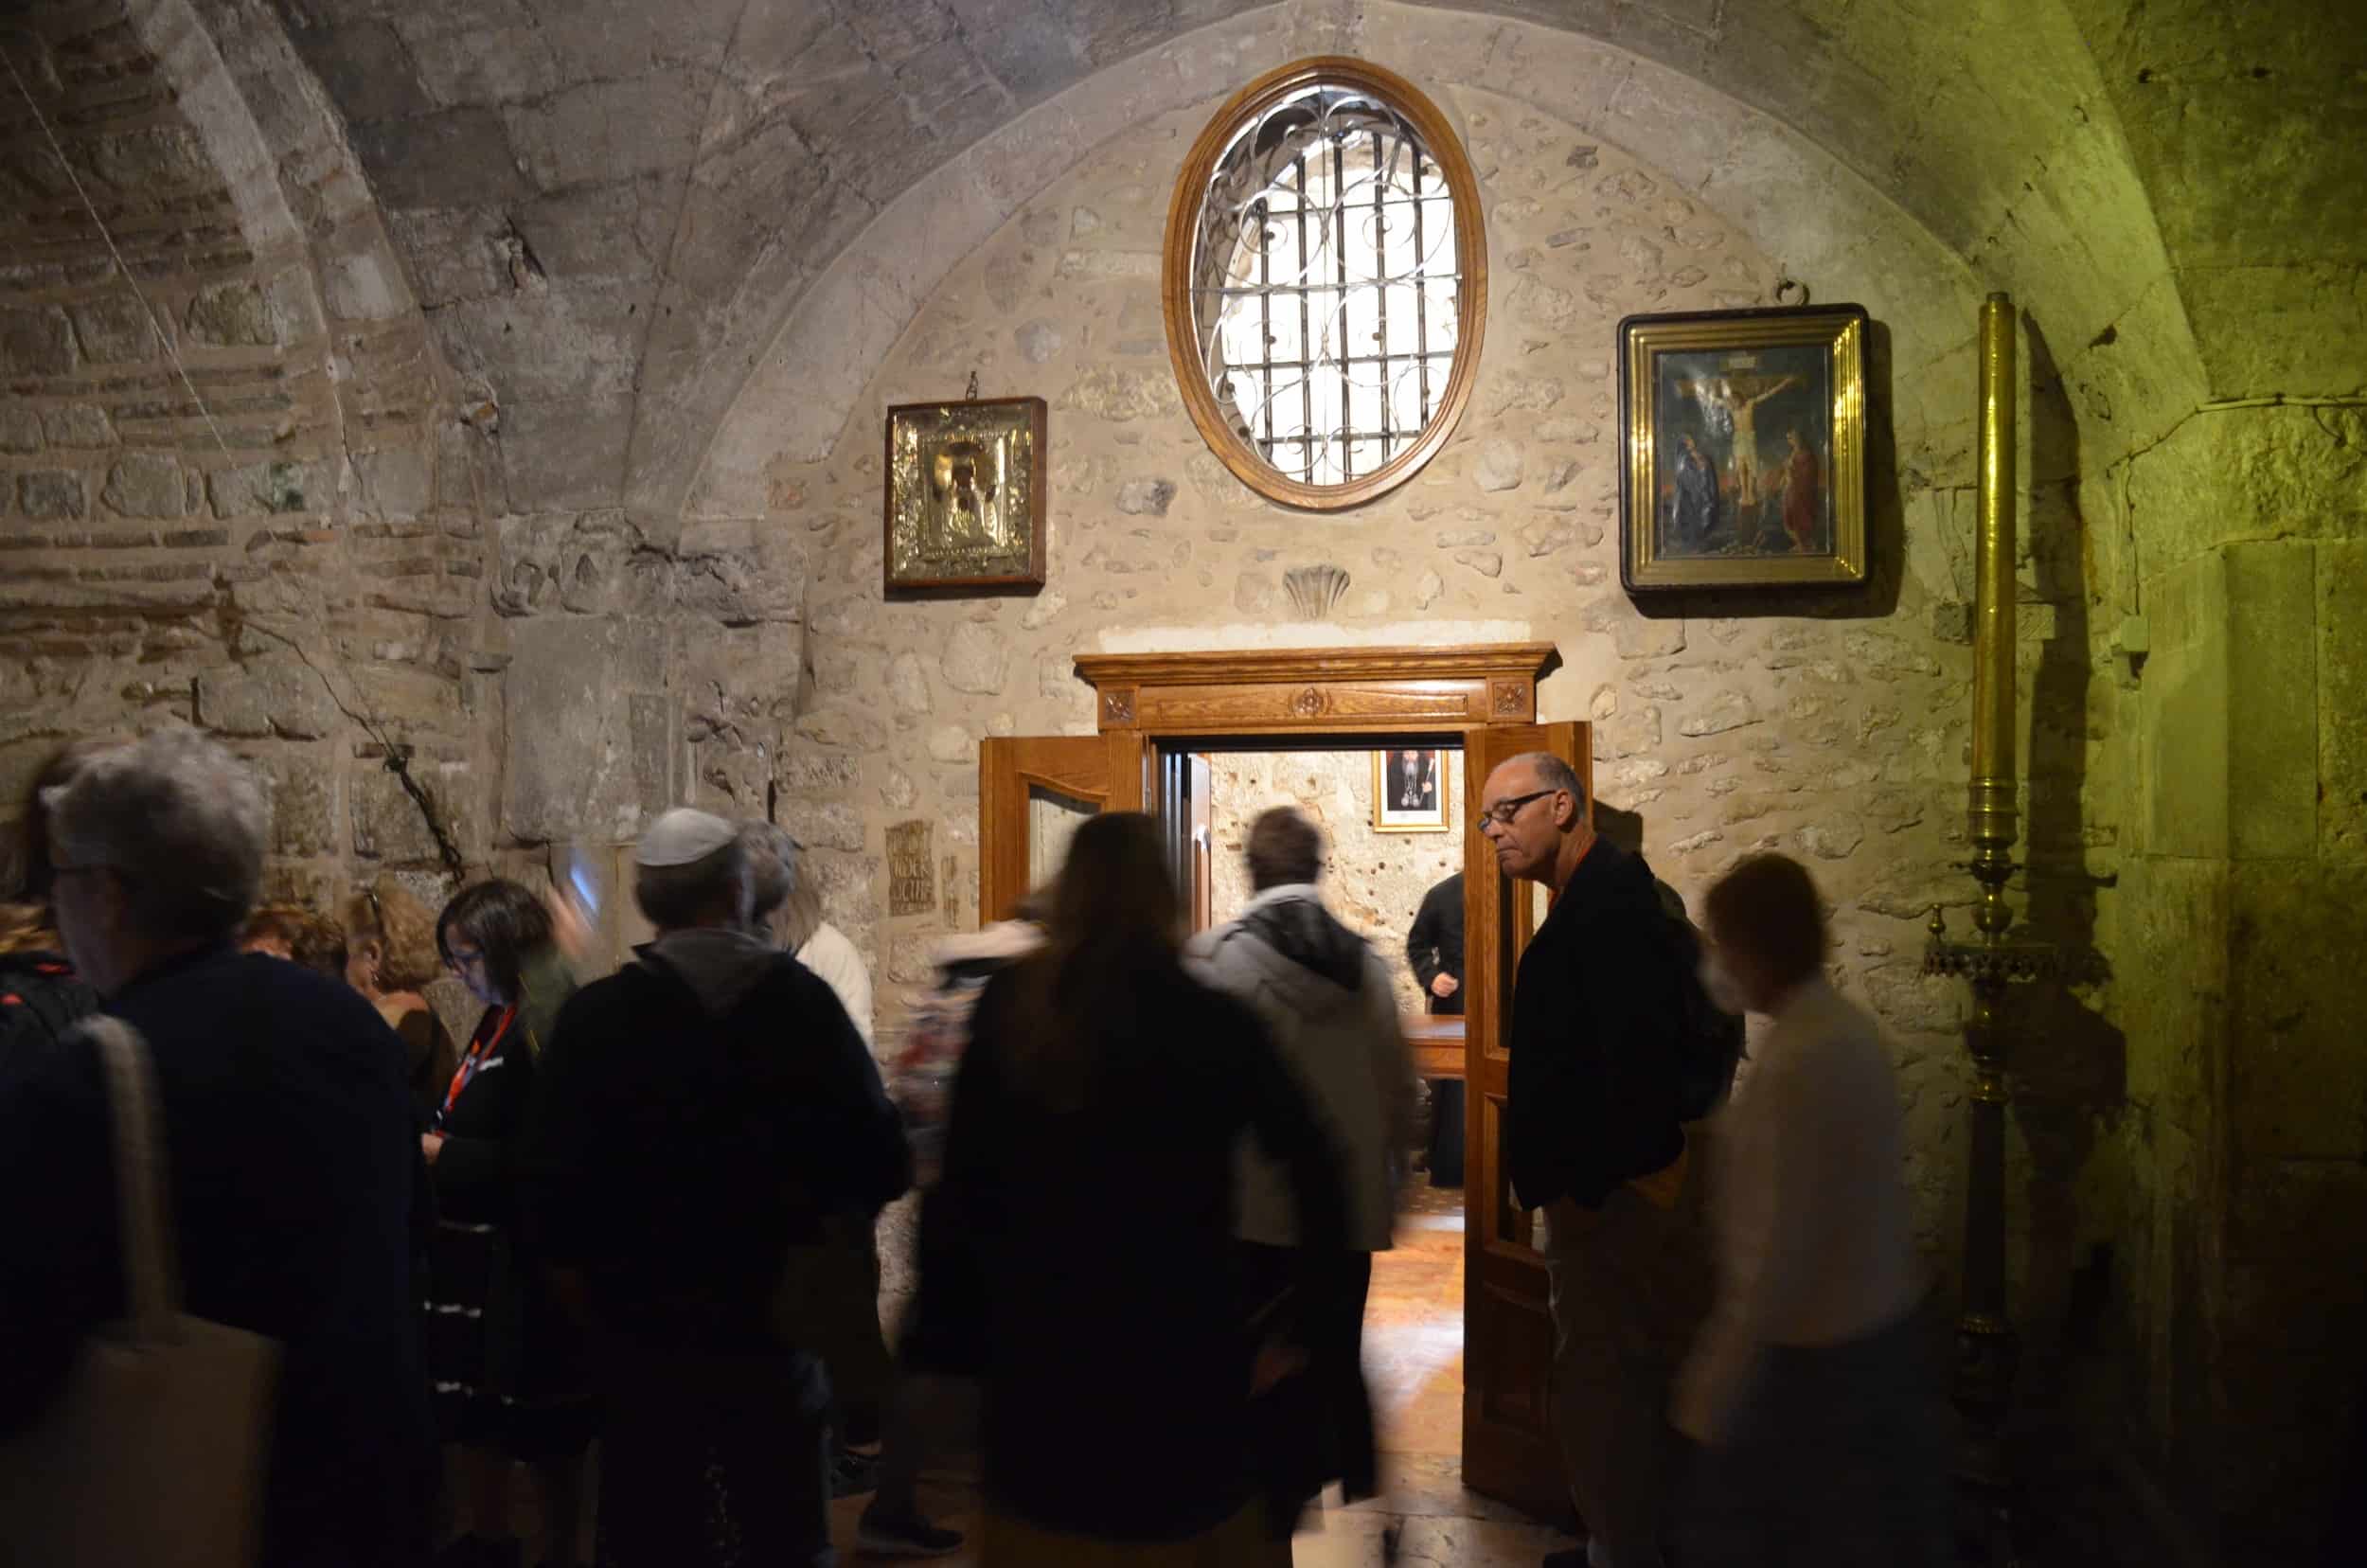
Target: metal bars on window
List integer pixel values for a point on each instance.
(1331, 323)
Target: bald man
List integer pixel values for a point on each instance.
(1593, 1138)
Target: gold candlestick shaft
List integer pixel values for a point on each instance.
(1987, 1347)
(1995, 818)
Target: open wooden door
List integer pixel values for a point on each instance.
(1032, 793)
(1508, 1449)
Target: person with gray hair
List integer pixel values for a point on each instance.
(180, 827)
(1325, 997)
(703, 1110)
(789, 905)
(295, 1168)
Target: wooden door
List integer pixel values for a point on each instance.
(1508, 1449)
(1032, 791)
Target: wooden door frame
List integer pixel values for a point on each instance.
(1295, 695)
(1316, 692)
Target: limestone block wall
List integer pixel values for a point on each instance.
(1834, 729)
(2245, 879)
(232, 489)
(1373, 881)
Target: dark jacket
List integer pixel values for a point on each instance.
(501, 1356)
(1088, 1253)
(1595, 1012)
(483, 1129)
(699, 1111)
(295, 1163)
(1434, 945)
(428, 1048)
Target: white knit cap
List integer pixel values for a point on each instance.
(680, 836)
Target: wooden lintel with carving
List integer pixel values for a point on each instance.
(1318, 689)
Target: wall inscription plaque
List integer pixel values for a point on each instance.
(912, 869)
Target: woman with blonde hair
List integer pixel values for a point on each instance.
(1120, 1394)
(390, 957)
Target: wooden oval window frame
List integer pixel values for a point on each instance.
(1470, 235)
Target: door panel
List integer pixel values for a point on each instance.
(1032, 793)
(1508, 1448)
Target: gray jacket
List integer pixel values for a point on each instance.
(1325, 997)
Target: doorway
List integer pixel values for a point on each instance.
(1391, 812)
(1153, 713)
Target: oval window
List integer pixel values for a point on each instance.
(1326, 282)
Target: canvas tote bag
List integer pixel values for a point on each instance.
(154, 1453)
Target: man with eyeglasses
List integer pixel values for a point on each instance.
(1593, 1138)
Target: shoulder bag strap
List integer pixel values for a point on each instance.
(150, 1281)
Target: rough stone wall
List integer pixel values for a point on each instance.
(2223, 499)
(1373, 881)
(1833, 729)
(2246, 871)
(250, 529)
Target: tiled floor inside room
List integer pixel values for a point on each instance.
(1413, 1360)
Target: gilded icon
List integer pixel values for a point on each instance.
(965, 504)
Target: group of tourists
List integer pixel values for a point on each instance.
(640, 1210)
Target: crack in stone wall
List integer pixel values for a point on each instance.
(265, 541)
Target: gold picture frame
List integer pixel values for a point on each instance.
(964, 508)
(1743, 449)
(1410, 789)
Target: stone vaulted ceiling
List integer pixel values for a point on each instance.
(609, 206)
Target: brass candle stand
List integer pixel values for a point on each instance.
(1987, 1347)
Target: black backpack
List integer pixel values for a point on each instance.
(1708, 1040)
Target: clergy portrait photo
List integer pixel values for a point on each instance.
(1410, 790)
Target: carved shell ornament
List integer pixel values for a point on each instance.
(1314, 589)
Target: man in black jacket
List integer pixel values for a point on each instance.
(1435, 949)
(699, 1113)
(1592, 1137)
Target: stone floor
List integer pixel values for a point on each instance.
(1413, 1360)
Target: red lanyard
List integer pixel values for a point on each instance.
(477, 1053)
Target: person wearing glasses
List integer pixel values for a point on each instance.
(504, 1361)
(293, 1157)
(1593, 1137)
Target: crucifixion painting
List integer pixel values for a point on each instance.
(1744, 443)
(1742, 439)
(1728, 402)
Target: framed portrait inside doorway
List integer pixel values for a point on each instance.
(1409, 787)
(1742, 462)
